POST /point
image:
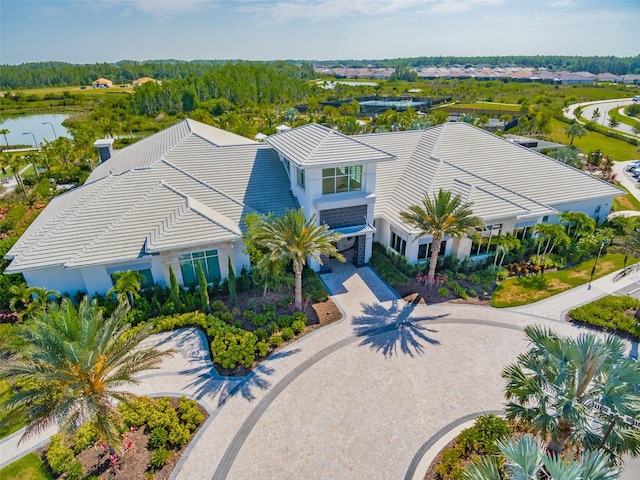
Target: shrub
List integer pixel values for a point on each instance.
(136, 412)
(75, 471)
(443, 291)
(312, 286)
(159, 458)
(58, 456)
(218, 306)
(298, 326)
(287, 334)
(260, 333)
(249, 314)
(179, 435)
(189, 413)
(275, 340)
(272, 327)
(284, 321)
(158, 438)
(85, 437)
(259, 320)
(234, 347)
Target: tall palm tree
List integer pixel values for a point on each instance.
(294, 238)
(4, 132)
(441, 216)
(127, 286)
(74, 366)
(14, 163)
(574, 130)
(559, 382)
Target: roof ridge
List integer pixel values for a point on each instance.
(354, 139)
(209, 186)
(115, 222)
(164, 224)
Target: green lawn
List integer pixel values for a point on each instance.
(625, 202)
(11, 426)
(617, 149)
(29, 467)
(626, 120)
(514, 292)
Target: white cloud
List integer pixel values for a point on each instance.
(561, 4)
(160, 8)
(318, 10)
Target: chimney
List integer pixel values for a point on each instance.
(105, 150)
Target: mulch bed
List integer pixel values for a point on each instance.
(134, 463)
(417, 292)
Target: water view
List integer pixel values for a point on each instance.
(41, 126)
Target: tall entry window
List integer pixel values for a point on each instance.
(189, 266)
(342, 179)
(485, 243)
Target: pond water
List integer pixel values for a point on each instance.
(17, 125)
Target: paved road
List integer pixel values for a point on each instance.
(603, 107)
(359, 398)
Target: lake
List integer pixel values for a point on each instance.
(34, 124)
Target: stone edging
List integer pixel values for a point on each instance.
(452, 429)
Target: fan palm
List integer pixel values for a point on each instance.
(294, 238)
(526, 460)
(74, 366)
(440, 216)
(557, 384)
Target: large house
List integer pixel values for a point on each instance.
(178, 198)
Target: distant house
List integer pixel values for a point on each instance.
(142, 80)
(102, 83)
(575, 78)
(178, 199)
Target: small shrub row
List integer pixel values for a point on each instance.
(61, 459)
(610, 314)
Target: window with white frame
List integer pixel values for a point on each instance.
(342, 179)
(300, 177)
(189, 263)
(483, 245)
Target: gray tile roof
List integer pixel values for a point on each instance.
(316, 145)
(500, 178)
(191, 193)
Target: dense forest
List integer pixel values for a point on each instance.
(60, 74)
(53, 74)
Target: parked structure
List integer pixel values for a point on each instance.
(178, 198)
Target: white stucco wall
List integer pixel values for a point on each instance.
(586, 206)
(55, 278)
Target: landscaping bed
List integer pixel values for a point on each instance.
(159, 432)
(610, 314)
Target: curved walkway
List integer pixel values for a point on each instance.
(356, 399)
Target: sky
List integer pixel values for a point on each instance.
(92, 31)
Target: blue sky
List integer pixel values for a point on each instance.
(90, 31)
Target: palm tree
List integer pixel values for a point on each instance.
(504, 244)
(74, 366)
(14, 163)
(526, 460)
(39, 299)
(127, 286)
(4, 132)
(557, 385)
(574, 130)
(581, 223)
(441, 216)
(551, 235)
(293, 238)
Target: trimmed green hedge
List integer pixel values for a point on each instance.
(609, 313)
(387, 266)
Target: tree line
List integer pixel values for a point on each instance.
(593, 64)
(58, 74)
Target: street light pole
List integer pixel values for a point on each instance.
(35, 142)
(52, 128)
(593, 270)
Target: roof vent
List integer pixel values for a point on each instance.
(105, 148)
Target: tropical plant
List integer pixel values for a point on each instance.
(504, 244)
(526, 460)
(74, 366)
(595, 115)
(14, 163)
(635, 129)
(127, 286)
(567, 155)
(614, 121)
(441, 216)
(563, 387)
(577, 224)
(204, 290)
(294, 238)
(574, 130)
(548, 237)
